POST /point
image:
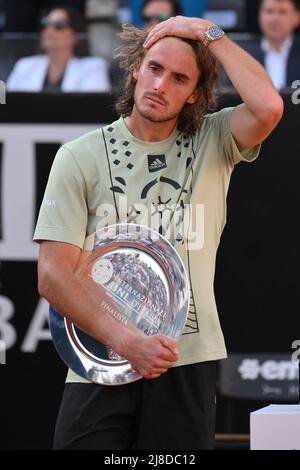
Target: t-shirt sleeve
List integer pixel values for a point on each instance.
(226, 140)
(63, 212)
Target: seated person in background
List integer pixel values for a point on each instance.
(278, 50)
(155, 11)
(59, 69)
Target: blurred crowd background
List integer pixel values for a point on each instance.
(68, 46)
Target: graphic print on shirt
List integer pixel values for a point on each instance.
(192, 325)
(163, 209)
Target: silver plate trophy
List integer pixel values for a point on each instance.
(136, 276)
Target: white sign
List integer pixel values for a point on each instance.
(18, 182)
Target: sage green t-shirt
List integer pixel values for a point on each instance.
(109, 176)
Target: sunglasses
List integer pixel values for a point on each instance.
(59, 25)
(159, 16)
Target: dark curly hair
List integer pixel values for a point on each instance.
(132, 51)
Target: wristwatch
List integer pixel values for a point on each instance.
(212, 33)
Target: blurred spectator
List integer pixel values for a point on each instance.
(252, 9)
(187, 7)
(278, 50)
(59, 69)
(21, 15)
(155, 11)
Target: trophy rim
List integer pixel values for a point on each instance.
(117, 372)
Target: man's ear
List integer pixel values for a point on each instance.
(136, 69)
(135, 73)
(193, 97)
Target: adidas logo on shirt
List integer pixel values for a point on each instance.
(156, 162)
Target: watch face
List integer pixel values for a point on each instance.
(215, 32)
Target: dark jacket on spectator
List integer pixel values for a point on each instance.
(293, 63)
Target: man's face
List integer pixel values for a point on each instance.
(166, 80)
(155, 12)
(278, 19)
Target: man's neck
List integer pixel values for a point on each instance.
(149, 131)
(277, 44)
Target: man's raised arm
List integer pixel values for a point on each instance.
(262, 108)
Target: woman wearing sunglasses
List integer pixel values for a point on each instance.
(59, 68)
(156, 11)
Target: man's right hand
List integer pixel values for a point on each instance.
(151, 356)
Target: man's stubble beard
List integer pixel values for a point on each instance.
(151, 118)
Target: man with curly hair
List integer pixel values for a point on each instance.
(166, 150)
